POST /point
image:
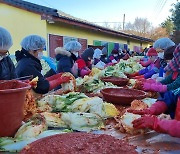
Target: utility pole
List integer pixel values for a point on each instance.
(123, 21)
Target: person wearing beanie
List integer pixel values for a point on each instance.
(28, 63)
(85, 62)
(172, 81)
(149, 70)
(114, 57)
(169, 103)
(126, 54)
(7, 68)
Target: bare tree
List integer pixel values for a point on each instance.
(117, 26)
(140, 27)
(158, 32)
(106, 24)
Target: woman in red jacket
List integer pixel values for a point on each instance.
(85, 62)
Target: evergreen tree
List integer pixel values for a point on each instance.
(176, 16)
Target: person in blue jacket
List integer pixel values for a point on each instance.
(28, 63)
(7, 68)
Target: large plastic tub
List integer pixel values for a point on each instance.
(122, 96)
(12, 98)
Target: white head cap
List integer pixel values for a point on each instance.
(163, 43)
(5, 39)
(73, 46)
(97, 53)
(33, 42)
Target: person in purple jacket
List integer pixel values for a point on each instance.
(151, 69)
(172, 81)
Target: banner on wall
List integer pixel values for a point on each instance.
(110, 45)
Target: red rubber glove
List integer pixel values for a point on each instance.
(53, 77)
(139, 77)
(170, 127)
(147, 121)
(156, 109)
(158, 87)
(134, 74)
(54, 83)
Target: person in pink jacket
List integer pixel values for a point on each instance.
(169, 103)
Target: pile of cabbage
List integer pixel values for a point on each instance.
(124, 66)
(64, 113)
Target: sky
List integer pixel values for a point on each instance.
(112, 11)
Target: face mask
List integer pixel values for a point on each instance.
(115, 55)
(76, 54)
(161, 55)
(40, 55)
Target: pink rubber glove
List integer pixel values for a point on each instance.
(158, 87)
(151, 81)
(170, 127)
(156, 109)
(85, 72)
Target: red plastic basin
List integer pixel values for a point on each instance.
(12, 98)
(122, 96)
(116, 80)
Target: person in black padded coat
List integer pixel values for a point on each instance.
(7, 68)
(28, 63)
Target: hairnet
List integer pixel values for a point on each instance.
(33, 42)
(163, 43)
(104, 51)
(97, 53)
(5, 39)
(73, 46)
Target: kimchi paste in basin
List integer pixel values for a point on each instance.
(79, 143)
